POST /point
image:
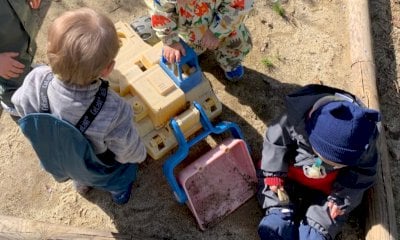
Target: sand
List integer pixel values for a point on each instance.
(309, 45)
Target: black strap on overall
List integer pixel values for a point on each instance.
(83, 124)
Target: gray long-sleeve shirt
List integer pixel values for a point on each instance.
(112, 129)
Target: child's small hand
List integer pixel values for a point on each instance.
(334, 210)
(275, 188)
(209, 40)
(35, 4)
(9, 67)
(174, 52)
(282, 195)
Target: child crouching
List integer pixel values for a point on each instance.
(317, 162)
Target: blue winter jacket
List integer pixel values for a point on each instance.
(287, 140)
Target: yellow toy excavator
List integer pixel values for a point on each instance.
(173, 107)
(159, 92)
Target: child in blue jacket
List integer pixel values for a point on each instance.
(317, 162)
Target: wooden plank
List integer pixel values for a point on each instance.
(360, 31)
(381, 219)
(363, 83)
(21, 229)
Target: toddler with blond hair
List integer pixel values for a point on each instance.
(82, 45)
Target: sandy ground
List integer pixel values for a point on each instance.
(309, 45)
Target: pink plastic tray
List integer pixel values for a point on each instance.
(219, 182)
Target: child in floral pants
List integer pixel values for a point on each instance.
(205, 24)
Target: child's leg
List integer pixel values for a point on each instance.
(122, 196)
(319, 225)
(278, 222)
(307, 232)
(233, 49)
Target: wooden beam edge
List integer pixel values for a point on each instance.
(21, 229)
(381, 218)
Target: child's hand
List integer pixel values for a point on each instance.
(334, 210)
(275, 188)
(174, 52)
(275, 184)
(209, 40)
(35, 4)
(9, 67)
(282, 194)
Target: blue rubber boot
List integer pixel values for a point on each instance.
(278, 225)
(236, 74)
(122, 197)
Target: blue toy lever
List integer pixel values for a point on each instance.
(191, 60)
(184, 146)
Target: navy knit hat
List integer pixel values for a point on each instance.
(340, 131)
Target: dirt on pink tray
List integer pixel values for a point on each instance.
(218, 182)
(308, 45)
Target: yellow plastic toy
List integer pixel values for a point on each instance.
(155, 93)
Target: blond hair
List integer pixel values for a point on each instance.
(81, 43)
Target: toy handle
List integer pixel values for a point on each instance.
(190, 57)
(184, 146)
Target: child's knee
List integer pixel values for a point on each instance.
(306, 232)
(278, 224)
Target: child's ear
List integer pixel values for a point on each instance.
(107, 70)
